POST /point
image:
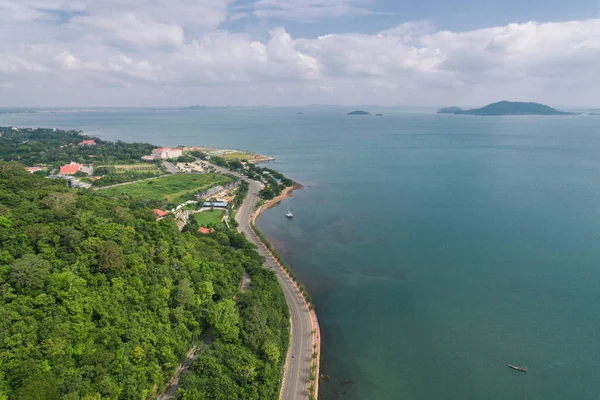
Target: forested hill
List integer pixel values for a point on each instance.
(98, 300)
(56, 147)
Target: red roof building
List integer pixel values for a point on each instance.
(70, 169)
(160, 213)
(31, 170)
(205, 231)
(90, 142)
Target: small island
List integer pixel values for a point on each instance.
(358, 112)
(506, 108)
(379, 115)
(450, 110)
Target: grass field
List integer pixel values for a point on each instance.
(236, 156)
(174, 189)
(137, 168)
(206, 217)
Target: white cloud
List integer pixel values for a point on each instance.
(13, 63)
(370, 55)
(132, 29)
(222, 57)
(119, 52)
(410, 31)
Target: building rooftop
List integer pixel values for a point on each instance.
(160, 213)
(70, 169)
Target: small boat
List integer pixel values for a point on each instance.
(517, 368)
(289, 215)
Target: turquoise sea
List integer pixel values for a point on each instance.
(438, 248)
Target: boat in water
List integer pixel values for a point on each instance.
(289, 215)
(517, 368)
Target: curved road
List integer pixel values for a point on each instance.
(296, 378)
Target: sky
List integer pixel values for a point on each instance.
(58, 53)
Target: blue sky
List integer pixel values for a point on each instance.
(461, 15)
(290, 52)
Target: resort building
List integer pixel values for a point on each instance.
(31, 170)
(160, 213)
(166, 152)
(87, 143)
(70, 169)
(205, 231)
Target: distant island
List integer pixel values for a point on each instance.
(379, 115)
(358, 112)
(450, 110)
(506, 108)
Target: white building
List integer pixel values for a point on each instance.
(166, 152)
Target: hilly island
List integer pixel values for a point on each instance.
(358, 112)
(506, 108)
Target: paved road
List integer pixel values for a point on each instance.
(295, 386)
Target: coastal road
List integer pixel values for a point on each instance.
(296, 378)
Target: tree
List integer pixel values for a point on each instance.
(185, 293)
(224, 317)
(110, 256)
(76, 323)
(29, 274)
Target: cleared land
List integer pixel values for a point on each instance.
(206, 217)
(173, 189)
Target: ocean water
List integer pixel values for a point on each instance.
(437, 248)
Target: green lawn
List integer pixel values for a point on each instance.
(238, 155)
(206, 217)
(137, 168)
(174, 189)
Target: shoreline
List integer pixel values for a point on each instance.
(287, 193)
(316, 330)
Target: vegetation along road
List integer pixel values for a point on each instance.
(296, 378)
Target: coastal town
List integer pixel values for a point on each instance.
(209, 191)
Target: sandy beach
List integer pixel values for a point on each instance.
(287, 192)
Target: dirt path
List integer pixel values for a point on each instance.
(245, 283)
(173, 384)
